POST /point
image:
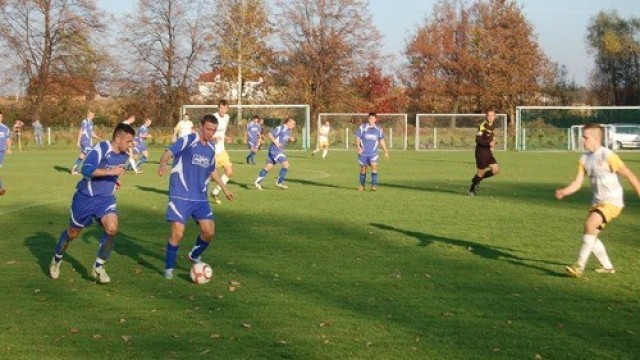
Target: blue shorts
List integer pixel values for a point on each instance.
(252, 144)
(365, 159)
(276, 157)
(180, 210)
(2, 157)
(85, 148)
(140, 148)
(84, 209)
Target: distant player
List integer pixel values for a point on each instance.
(130, 120)
(279, 137)
(5, 146)
(323, 140)
(222, 156)
(484, 152)
(183, 128)
(601, 166)
(85, 140)
(254, 131)
(141, 143)
(94, 199)
(193, 167)
(368, 137)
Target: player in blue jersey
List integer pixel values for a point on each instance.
(130, 120)
(193, 167)
(85, 140)
(254, 130)
(368, 137)
(279, 137)
(94, 199)
(142, 135)
(5, 146)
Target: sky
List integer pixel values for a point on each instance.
(560, 25)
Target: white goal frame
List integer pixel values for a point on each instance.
(521, 131)
(306, 130)
(499, 117)
(404, 118)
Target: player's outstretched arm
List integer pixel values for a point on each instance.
(574, 186)
(216, 178)
(164, 159)
(384, 148)
(631, 177)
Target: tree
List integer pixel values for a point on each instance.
(53, 44)
(164, 44)
(616, 80)
(243, 29)
(324, 44)
(375, 91)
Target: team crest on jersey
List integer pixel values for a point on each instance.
(371, 137)
(200, 160)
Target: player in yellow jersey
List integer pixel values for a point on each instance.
(602, 167)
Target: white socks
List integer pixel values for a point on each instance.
(225, 180)
(601, 254)
(588, 242)
(324, 153)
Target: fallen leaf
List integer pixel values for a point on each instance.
(96, 336)
(126, 338)
(282, 342)
(234, 283)
(232, 288)
(74, 330)
(496, 349)
(447, 314)
(122, 321)
(215, 336)
(246, 325)
(205, 352)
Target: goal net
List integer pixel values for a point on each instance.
(545, 128)
(344, 125)
(273, 115)
(455, 131)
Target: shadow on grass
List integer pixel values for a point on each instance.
(449, 188)
(484, 251)
(62, 169)
(320, 184)
(42, 246)
(153, 190)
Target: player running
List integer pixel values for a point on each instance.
(184, 127)
(222, 156)
(85, 140)
(141, 143)
(193, 167)
(94, 199)
(323, 140)
(254, 131)
(484, 152)
(279, 137)
(602, 167)
(368, 137)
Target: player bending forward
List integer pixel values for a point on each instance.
(602, 167)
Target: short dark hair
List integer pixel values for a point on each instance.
(256, 116)
(223, 102)
(123, 128)
(210, 118)
(373, 114)
(490, 109)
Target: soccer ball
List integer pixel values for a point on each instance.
(201, 273)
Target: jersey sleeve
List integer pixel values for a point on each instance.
(614, 162)
(92, 160)
(581, 162)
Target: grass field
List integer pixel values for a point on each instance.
(417, 270)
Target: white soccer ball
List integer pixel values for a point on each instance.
(201, 273)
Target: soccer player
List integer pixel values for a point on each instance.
(130, 120)
(141, 143)
(254, 130)
(183, 128)
(5, 146)
(602, 167)
(279, 137)
(94, 199)
(484, 154)
(193, 167)
(368, 137)
(323, 140)
(222, 156)
(85, 140)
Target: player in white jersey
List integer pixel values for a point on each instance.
(323, 140)
(222, 156)
(183, 128)
(602, 166)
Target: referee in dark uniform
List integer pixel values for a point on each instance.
(484, 153)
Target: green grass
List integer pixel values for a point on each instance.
(417, 270)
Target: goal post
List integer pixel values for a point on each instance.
(548, 128)
(344, 125)
(455, 131)
(273, 115)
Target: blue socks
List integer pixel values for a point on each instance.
(374, 179)
(363, 178)
(104, 251)
(199, 248)
(172, 254)
(63, 242)
(283, 175)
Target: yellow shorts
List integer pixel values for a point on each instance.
(323, 144)
(222, 159)
(608, 211)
